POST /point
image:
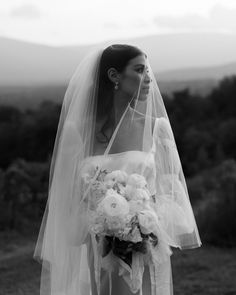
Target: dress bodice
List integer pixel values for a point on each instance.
(139, 162)
(160, 161)
(161, 168)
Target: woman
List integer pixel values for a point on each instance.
(117, 194)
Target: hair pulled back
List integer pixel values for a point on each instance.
(115, 56)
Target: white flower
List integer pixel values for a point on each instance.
(109, 183)
(98, 191)
(136, 194)
(116, 176)
(136, 206)
(121, 189)
(135, 236)
(137, 181)
(115, 223)
(128, 217)
(112, 193)
(147, 221)
(128, 192)
(86, 177)
(141, 194)
(97, 223)
(113, 204)
(98, 228)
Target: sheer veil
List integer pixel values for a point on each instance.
(144, 127)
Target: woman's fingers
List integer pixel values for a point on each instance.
(123, 251)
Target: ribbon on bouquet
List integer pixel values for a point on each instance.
(133, 275)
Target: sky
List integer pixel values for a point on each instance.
(77, 22)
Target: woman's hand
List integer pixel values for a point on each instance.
(122, 248)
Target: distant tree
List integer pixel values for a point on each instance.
(195, 153)
(10, 121)
(15, 191)
(38, 132)
(219, 155)
(46, 121)
(202, 158)
(10, 114)
(23, 194)
(217, 209)
(223, 100)
(204, 127)
(227, 137)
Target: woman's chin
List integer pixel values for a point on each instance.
(143, 96)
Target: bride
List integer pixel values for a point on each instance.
(118, 200)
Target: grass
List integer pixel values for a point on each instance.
(206, 270)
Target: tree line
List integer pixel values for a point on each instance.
(204, 130)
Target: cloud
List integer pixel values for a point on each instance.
(131, 24)
(26, 11)
(224, 17)
(190, 21)
(220, 18)
(111, 26)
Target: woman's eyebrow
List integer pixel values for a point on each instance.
(138, 65)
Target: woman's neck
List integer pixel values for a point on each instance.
(121, 102)
(120, 105)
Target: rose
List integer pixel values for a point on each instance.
(131, 193)
(113, 204)
(116, 176)
(136, 180)
(148, 221)
(86, 177)
(141, 194)
(98, 223)
(98, 228)
(97, 190)
(128, 192)
(109, 183)
(115, 224)
(120, 188)
(136, 205)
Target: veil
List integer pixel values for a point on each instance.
(143, 126)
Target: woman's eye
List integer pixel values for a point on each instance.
(140, 70)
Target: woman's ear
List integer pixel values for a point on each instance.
(113, 75)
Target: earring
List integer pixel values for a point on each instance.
(116, 86)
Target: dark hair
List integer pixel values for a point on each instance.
(117, 56)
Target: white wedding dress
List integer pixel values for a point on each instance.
(142, 143)
(155, 279)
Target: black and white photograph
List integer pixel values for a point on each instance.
(118, 147)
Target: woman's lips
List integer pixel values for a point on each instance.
(145, 88)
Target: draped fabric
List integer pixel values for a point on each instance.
(172, 208)
(142, 142)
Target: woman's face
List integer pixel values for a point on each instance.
(135, 74)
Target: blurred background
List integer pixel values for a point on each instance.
(191, 46)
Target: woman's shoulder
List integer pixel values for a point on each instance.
(162, 128)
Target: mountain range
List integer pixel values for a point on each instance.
(31, 73)
(173, 57)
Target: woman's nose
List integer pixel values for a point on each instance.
(147, 77)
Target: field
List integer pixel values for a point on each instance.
(206, 271)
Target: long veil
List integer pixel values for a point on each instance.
(61, 244)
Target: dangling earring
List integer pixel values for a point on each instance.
(116, 86)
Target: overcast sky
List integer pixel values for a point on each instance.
(74, 22)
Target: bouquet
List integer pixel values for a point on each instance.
(121, 213)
